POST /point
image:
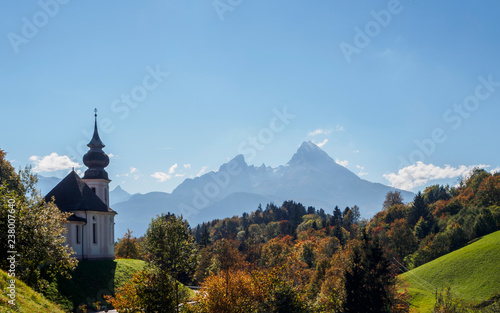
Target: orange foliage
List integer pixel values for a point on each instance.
(465, 196)
(231, 291)
(126, 299)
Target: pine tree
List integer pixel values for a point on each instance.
(417, 210)
(369, 284)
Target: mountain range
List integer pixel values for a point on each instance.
(311, 177)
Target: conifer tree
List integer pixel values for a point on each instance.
(417, 210)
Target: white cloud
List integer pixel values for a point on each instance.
(361, 170)
(171, 170)
(186, 166)
(321, 144)
(320, 131)
(339, 128)
(133, 172)
(161, 176)
(419, 174)
(343, 163)
(202, 171)
(355, 151)
(111, 155)
(495, 170)
(52, 162)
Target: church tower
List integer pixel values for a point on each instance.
(96, 160)
(91, 226)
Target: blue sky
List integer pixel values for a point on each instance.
(405, 93)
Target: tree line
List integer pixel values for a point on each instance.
(292, 258)
(281, 258)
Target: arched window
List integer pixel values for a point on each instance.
(94, 230)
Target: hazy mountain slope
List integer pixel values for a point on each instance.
(45, 184)
(118, 195)
(311, 177)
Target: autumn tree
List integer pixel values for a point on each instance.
(127, 247)
(227, 260)
(38, 232)
(276, 251)
(401, 238)
(489, 191)
(392, 198)
(148, 291)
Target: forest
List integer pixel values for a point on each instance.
(292, 258)
(287, 258)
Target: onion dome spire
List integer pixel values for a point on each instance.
(96, 141)
(95, 159)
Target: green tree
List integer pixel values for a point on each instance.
(170, 248)
(351, 217)
(417, 210)
(38, 231)
(368, 282)
(421, 228)
(307, 255)
(436, 192)
(337, 217)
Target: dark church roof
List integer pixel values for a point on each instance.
(73, 194)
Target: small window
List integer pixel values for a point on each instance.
(77, 233)
(111, 229)
(94, 230)
(93, 189)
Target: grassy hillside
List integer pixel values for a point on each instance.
(27, 300)
(94, 279)
(473, 273)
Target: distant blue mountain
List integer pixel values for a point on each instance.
(118, 195)
(310, 177)
(45, 184)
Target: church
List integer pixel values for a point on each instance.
(90, 229)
